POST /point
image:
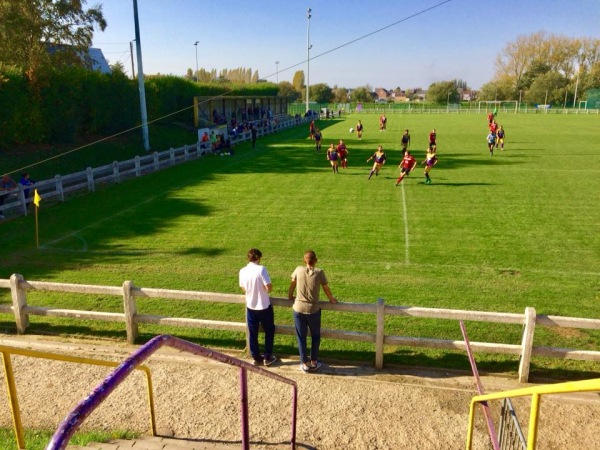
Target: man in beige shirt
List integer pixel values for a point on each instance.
(307, 282)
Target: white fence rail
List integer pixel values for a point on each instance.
(61, 185)
(454, 109)
(131, 318)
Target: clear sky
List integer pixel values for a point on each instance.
(423, 41)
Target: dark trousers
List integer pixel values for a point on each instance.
(303, 323)
(266, 318)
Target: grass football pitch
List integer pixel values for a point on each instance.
(497, 233)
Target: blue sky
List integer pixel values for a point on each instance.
(453, 39)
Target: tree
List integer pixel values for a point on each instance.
(502, 89)
(442, 92)
(340, 95)
(118, 67)
(548, 88)
(28, 28)
(287, 90)
(361, 94)
(298, 80)
(320, 93)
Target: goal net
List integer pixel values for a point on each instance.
(499, 105)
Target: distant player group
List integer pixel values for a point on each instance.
(338, 154)
(496, 135)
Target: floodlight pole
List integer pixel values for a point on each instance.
(132, 66)
(308, 47)
(144, 114)
(576, 86)
(277, 70)
(196, 45)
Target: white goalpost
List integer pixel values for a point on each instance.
(500, 105)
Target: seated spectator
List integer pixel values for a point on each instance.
(213, 141)
(26, 181)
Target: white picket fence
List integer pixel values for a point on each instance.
(88, 180)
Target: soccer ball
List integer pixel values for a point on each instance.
(351, 130)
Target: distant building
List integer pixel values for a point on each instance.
(95, 57)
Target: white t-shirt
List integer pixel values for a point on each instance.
(253, 279)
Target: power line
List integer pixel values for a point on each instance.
(412, 16)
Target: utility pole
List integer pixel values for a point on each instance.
(144, 113)
(132, 66)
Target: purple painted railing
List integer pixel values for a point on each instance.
(484, 405)
(73, 421)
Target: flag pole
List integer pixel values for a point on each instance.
(36, 201)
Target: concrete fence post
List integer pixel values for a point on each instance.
(90, 179)
(527, 344)
(22, 199)
(19, 301)
(138, 169)
(59, 187)
(156, 162)
(116, 174)
(130, 309)
(380, 333)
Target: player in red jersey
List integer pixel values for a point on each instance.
(407, 164)
(342, 151)
(433, 139)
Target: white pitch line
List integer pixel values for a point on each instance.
(405, 213)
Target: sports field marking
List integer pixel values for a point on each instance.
(405, 214)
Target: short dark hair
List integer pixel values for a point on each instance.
(254, 254)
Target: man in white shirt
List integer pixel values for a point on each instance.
(256, 284)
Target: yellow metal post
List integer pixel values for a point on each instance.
(14, 402)
(533, 422)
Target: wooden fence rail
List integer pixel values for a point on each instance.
(130, 316)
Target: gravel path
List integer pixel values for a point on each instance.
(342, 407)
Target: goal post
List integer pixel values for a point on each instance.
(500, 105)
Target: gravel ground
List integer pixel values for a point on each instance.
(343, 406)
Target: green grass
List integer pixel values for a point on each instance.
(38, 439)
(490, 234)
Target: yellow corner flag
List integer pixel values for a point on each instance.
(36, 198)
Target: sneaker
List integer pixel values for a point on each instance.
(258, 362)
(270, 360)
(314, 367)
(304, 368)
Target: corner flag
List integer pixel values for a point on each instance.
(36, 198)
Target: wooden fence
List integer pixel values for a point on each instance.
(130, 317)
(60, 186)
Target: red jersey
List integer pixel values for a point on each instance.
(342, 151)
(408, 161)
(432, 137)
(493, 127)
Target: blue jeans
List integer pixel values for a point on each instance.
(266, 318)
(303, 323)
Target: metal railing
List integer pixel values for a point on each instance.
(536, 394)
(11, 386)
(76, 417)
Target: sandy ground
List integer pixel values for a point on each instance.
(342, 407)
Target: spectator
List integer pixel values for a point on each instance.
(254, 132)
(256, 285)
(26, 181)
(307, 281)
